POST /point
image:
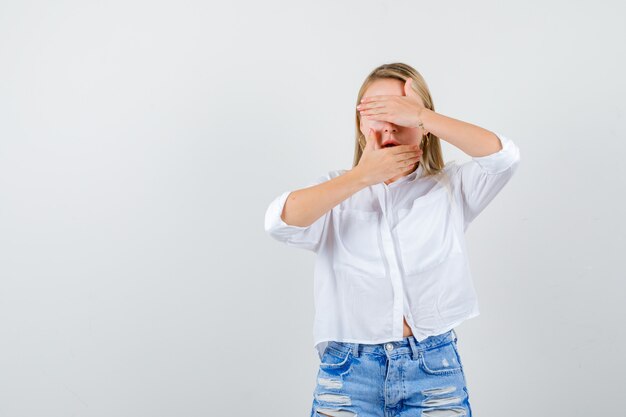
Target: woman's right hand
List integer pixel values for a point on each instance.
(378, 164)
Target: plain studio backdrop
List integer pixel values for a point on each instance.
(142, 141)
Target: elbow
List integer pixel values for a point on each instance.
(504, 159)
(498, 145)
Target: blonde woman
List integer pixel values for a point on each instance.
(392, 277)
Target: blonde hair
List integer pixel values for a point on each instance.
(432, 158)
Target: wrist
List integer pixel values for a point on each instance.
(420, 117)
(357, 176)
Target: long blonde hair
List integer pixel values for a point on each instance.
(432, 158)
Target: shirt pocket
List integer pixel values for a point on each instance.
(357, 246)
(426, 233)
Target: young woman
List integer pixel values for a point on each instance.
(392, 276)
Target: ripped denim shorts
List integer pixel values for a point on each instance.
(405, 378)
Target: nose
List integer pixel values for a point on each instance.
(389, 127)
(385, 126)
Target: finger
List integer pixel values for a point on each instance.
(374, 111)
(403, 165)
(372, 140)
(410, 88)
(379, 117)
(413, 157)
(375, 139)
(381, 114)
(380, 97)
(371, 104)
(404, 148)
(368, 142)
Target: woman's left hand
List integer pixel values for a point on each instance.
(399, 110)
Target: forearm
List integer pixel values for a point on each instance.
(303, 207)
(471, 139)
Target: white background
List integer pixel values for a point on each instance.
(141, 142)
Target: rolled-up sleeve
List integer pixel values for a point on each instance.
(483, 177)
(305, 237)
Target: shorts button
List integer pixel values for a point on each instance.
(389, 346)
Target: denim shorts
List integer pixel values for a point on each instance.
(405, 378)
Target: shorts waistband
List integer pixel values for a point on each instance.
(395, 347)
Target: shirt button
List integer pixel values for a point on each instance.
(389, 346)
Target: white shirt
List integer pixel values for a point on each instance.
(397, 250)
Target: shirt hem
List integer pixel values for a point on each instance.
(317, 345)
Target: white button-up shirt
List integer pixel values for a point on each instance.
(397, 250)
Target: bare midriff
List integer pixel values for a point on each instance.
(407, 330)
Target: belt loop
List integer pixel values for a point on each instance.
(355, 350)
(455, 338)
(414, 349)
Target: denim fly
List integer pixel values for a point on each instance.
(404, 378)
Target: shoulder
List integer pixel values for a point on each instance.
(451, 167)
(450, 171)
(450, 174)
